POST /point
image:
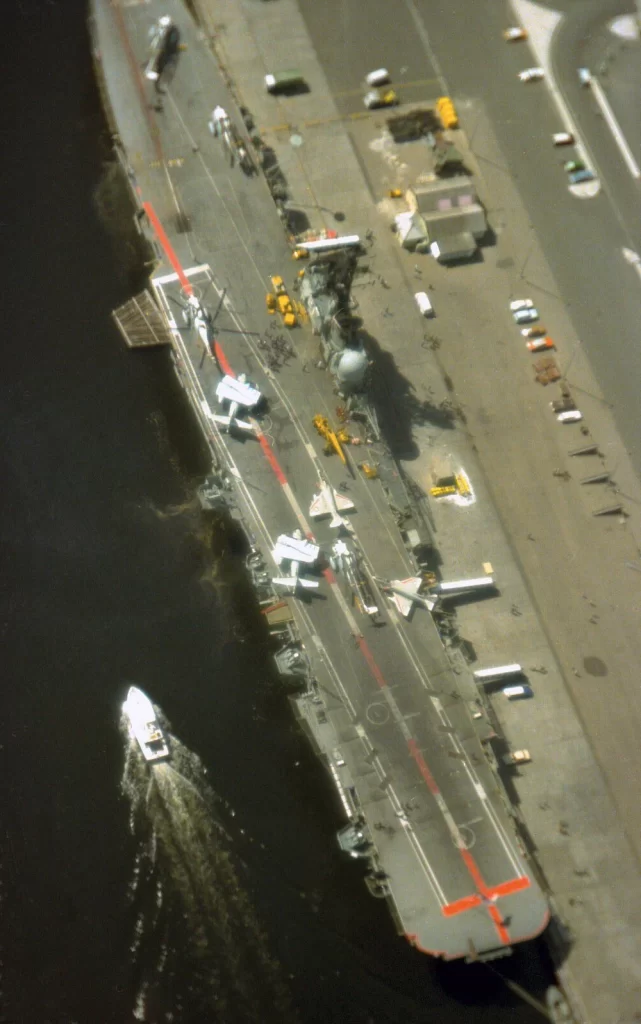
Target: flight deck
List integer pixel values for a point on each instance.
(396, 725)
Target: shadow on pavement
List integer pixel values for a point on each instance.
(398, 407)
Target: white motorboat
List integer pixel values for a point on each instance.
(143, 725)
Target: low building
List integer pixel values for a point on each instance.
(454, 219)
(461, 246)
(442, 194)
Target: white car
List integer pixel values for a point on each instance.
(379, 77)
(512, 35)
(521, 304)
(562, 139)
(526, 316)
(425, 306)
(531, 74)
(518, 692)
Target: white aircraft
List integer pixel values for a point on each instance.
(294, 549)
(345, 560)
(330, 503)
(164, 38)
(237, 392)
(405, 594)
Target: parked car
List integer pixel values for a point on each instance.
(518, 692)
(585, 76)
(512, 35)
(573, 165)
(526, 316)
(380, 97)
(563, 139)
(379, 77)
(521, 304)
(540, 344)
(531, 74)
(291, 80)
(579, 176)
(534, 332)
(425, 306)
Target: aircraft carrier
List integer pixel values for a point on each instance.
(400, 727)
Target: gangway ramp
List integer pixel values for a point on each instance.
(141, 323)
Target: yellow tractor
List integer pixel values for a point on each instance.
(279, 301)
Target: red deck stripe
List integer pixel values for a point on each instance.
(423, 768)
(460, 906)
(138, 79)
(271, 458)
(222, 360)
(507, 888)
(168, 248)
(371, 661)
(473, 869)
(501, 930)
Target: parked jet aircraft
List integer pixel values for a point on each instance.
(405, 594)
(238, 392)
(164, 41)
(345, 559)
(330, 503)
(292, 550)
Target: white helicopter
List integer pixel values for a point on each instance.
(237, 391)
(198, 316)
(293, 549)
(329, 502)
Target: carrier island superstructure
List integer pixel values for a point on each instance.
(394, 720)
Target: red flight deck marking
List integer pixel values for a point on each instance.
(168, 248)
(484, 895)
(170, 253)
(138, 79)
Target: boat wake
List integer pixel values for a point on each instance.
(198, 951)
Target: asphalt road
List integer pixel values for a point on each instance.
(459, 47)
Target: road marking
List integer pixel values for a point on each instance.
(425, 39)
(614, 127)
(633, 258)
(397, 86)
(541, 25)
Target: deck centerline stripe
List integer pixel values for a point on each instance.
(168, 248)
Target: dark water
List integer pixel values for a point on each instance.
(211, 890)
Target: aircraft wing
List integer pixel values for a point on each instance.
(404, 601)
(291, 582)
(225, 421)
(295, 550)
(321, 504)
(232, 390)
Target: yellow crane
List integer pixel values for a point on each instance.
(335, 438)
